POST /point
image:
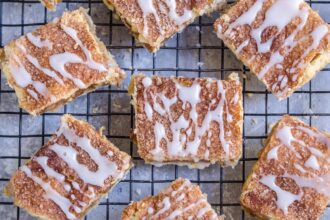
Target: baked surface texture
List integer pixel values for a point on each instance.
(180, 200)
(152, 22)
(58, 62)
(50, 4)
(284, 43)
(291, 179)
(70, 174)
(188, 121)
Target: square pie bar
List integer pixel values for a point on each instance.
(188, 121)
(291, 179)
(284, 43)
(50, 4)
(58, 62)
(68, 175)
(152, 22)
(180, 200)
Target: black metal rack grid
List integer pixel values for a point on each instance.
(221, 205)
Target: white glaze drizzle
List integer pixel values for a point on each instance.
(290, 43)
(36, 63)
(178, 19)
(319, 136)
(242, 46)
(160, 133)
(67, 187)
(43, 162)
(166, 206)
(286, 137)
(36, 41)
(289, 10)
(105, 169)
(40, 87)
(150, 210)
(186, 183)
(299, 167)
(312, 163)
(284, 198)
(146, 82)
(273, 153)
(187, 95)
(148, 111)
(33, 93)
(147, 7)
(180, 197)
(47, 71)
(201, 212)
(317, 35)
(316, 152)
(59, 61)
(76, 185)
(320, 183)
(23, 79)
(63, 203)
(90, 61)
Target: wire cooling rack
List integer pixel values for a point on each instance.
(196, 52)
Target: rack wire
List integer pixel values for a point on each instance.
(222, 184)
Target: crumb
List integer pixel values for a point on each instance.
(198, 28)
(249, 94)
(95, 109)
(138, 191)
(198, 45)
(117, 105)
(117, 17)
(200, 64)
(254, 121)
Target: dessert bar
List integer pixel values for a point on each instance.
(152, 22)
(58, 62)
(70, 174)
(188, 121)
(180, 200)
(284, 43)
(291, 179)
